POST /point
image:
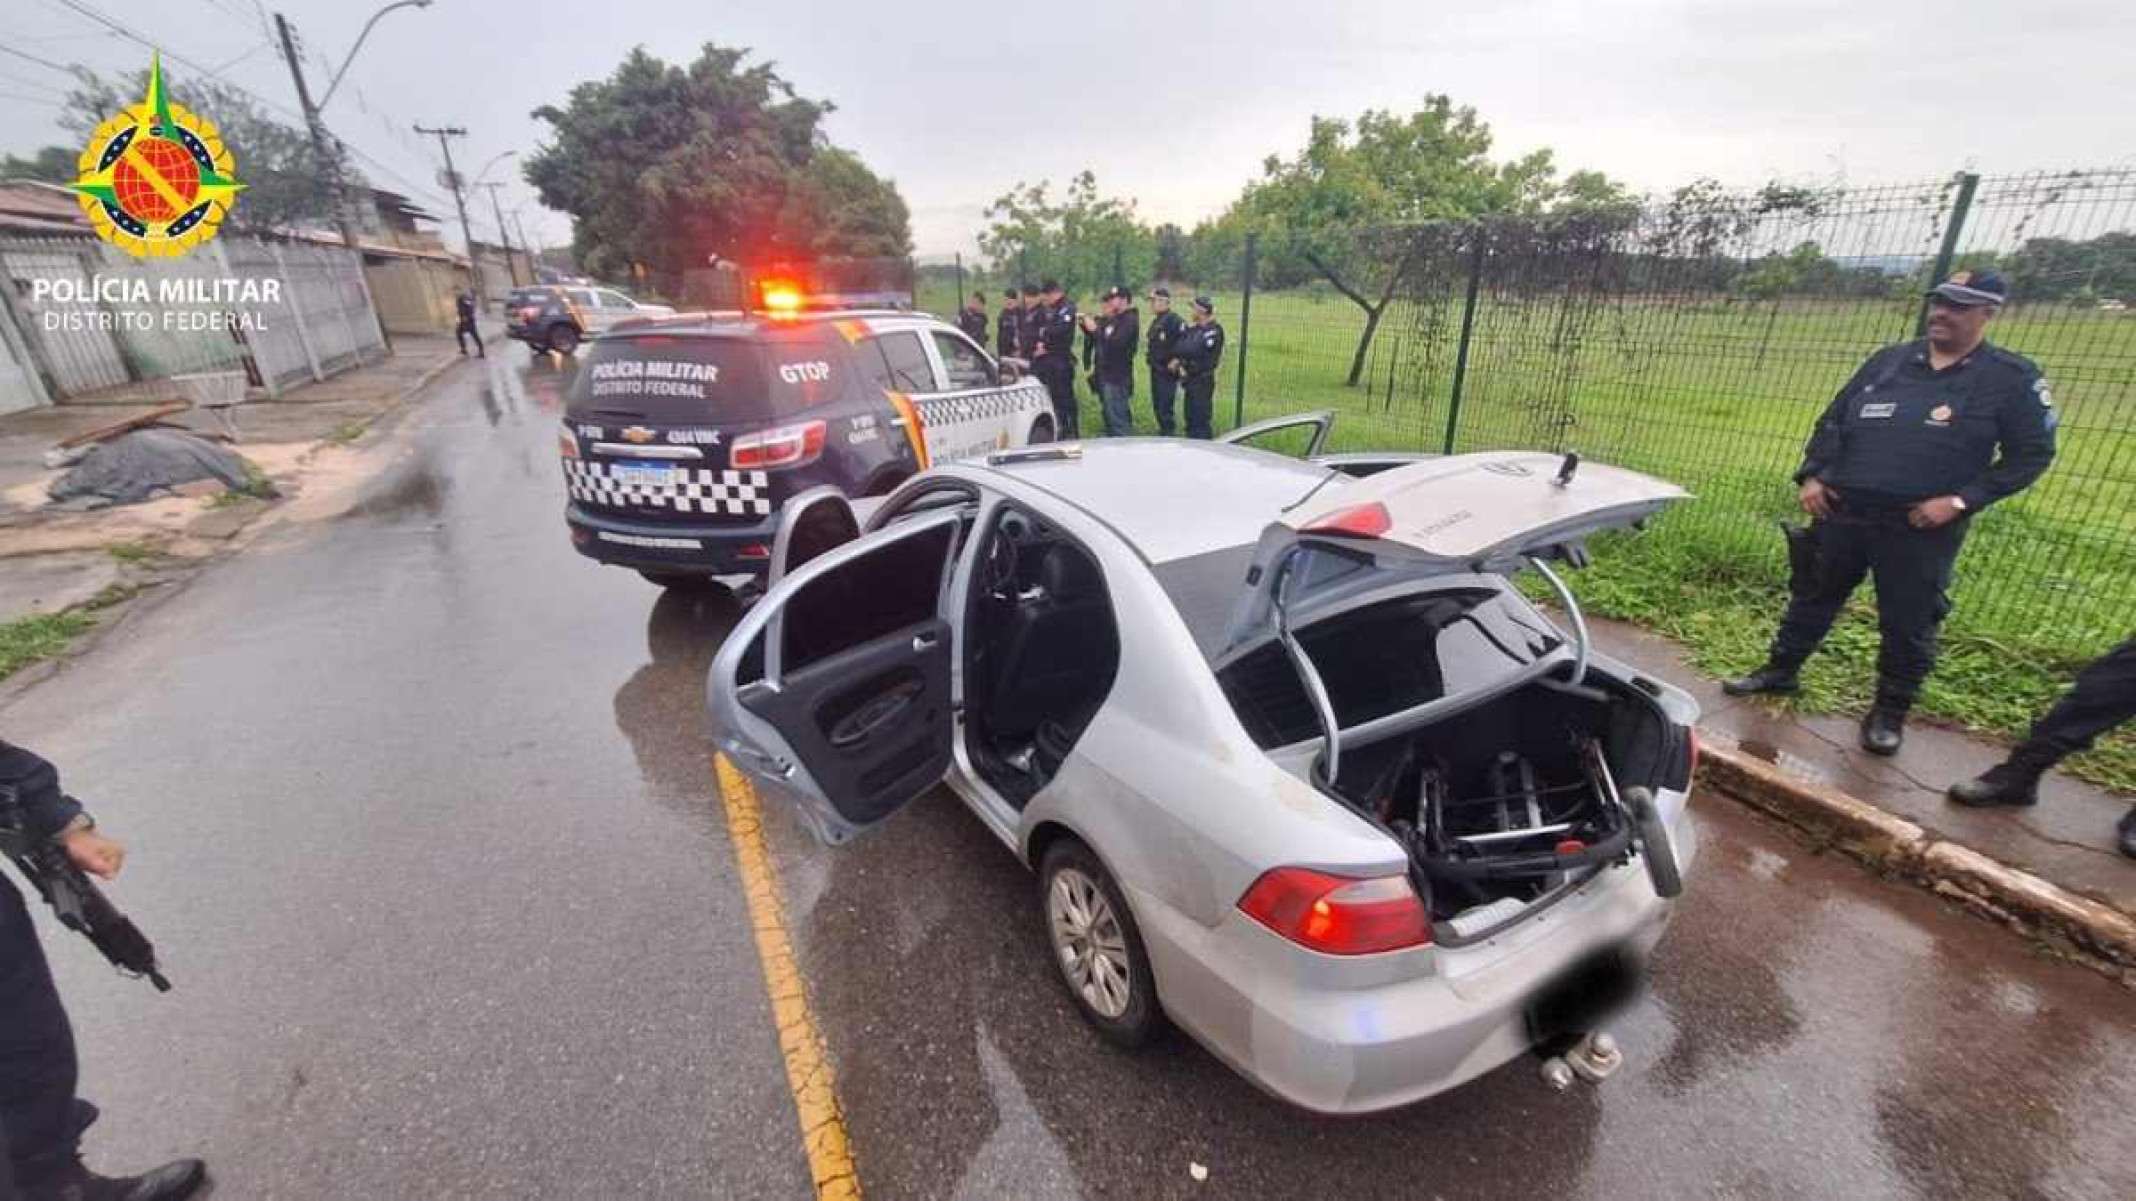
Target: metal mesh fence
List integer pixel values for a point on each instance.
(1700, 337)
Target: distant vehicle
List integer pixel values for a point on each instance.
(683, 438)
(1298, 767)
(559, 317)
(2113, 306)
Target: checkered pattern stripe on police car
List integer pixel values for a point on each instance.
(689, 489)
(978, 407)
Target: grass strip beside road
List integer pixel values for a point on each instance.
(808, 1065)
(41, 636)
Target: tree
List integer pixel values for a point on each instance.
(1314, 210)
(2067, 269)
(668, 167)
(287, 182)
(1083, 239)
(52, 164)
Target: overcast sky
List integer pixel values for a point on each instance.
(1176, 104)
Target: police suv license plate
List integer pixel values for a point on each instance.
(637, 476)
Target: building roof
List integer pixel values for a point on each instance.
(32, 206)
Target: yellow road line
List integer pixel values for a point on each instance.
(808, 1064)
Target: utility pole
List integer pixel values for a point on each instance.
(459, 198)
(533, 264)
(503, 235)
(336, 181)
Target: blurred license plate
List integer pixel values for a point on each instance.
(1586, 994)
(644, 477)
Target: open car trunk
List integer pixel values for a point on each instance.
(1516, 787)
(1504, 805)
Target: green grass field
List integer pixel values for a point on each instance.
(1719, 398)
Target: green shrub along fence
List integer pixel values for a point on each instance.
(1698, 339)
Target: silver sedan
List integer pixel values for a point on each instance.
(1300, 771)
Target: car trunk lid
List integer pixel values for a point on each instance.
(1482, 512)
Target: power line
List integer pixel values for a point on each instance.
(42, 62)
(87, 11)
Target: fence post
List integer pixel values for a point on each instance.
(1960, 207)
(1468, 326)
(1246, 272)
(912, 282)
(1023, 266)
(1119, 272)
(960, 281)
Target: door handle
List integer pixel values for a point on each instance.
(873, 716)
(763, 760)
(927, 641)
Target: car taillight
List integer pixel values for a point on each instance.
(530, 312)
(786, 446)
(1338, 915)
(1358, 521)
(566, 442)
(1691, 774)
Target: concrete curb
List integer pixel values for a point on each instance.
(2101, 935)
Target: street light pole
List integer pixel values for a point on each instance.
(503, 235)
(459, 198)
(336, 181)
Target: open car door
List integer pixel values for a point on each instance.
(1484, 512)
(818, 520)
(1262, 435)
(836, 686)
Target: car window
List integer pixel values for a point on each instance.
(887, 590)
(616, 300)
(907, 362)
(966, 364)
(580, 297)
(663, 378)
(932, 499)
(808, 368)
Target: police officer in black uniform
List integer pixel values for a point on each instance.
(2104, 697)
(1898, 465)
(41, 1120)
(1008, 326)
(463, 308)
(1027, 321)
(1165, 329)
(972, 317)
(1110, 340)
(1194, 358)
(1053, 356)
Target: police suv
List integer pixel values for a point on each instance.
(682, 437)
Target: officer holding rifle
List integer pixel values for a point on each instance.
(41, 1120)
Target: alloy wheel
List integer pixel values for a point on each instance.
(1088, 942)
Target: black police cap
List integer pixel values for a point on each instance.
(1971, 289)
(1051, 285)
(1116, 292)
(1205, 304)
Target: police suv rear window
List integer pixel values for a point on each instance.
(672, 378)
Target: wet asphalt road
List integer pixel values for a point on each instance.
(424, 820)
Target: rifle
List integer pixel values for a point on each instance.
(82, 907)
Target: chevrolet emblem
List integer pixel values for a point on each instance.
(637, 434)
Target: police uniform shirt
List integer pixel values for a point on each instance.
(1006, 327)
(1056, 332)
(1164, 333)
(1199, 347)
(1902, 431)
(973, 323)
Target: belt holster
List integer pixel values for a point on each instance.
(1805, 558)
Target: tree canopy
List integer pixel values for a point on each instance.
(671, 167)
(1083, 239)
(1386, 169)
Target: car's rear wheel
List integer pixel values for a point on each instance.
(563, 339)
(1096, 946)
(1041, 430)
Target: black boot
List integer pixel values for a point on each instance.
(174, 1181)
(1771, 678)
(2128, 832)
(2013, 783)
(1883, 729)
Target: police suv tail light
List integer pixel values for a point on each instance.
(786, 446)
(566, 442)
(1338, 915)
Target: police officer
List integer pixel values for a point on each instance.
(463, 307)
(972, 317)
(1053, 356)
(2104, 697)
(1007, 326)
(1165, 329)
(41, 1120)
(1113, 337)
(1898, 465)
(1027, 321)
(1194, 358)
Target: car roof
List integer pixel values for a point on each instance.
(734, 323)
(1173, 498)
